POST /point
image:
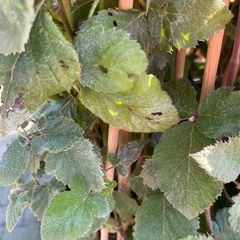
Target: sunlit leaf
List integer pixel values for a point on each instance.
(221, 160)
(144, 108)
(182, 23)
(107, 68)
(16, 19)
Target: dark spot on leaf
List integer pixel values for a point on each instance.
(148, 118)
(63, 64)
(164, 6)
(103, 69)
(129, 108)
(132, 76)
(115, 23)
(110, 14)
(157, 114)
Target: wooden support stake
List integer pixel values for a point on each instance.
(180, 63)
(213, 56)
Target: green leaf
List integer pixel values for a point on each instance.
(55, 135)
(13, 120)
(222, 229)
(107, 68)
(234, 213)
(137, 186)
(42, 195)
(219, 114)
(144, 108)
(19, 199)
(14, 162)
(221, 160)
(125, 206)
(34, 163)
(158, 220)
(199, 237)
(70, 214)
(80, 160)
(183, 96)
(148, 175)
(193, 189)
(16, 18)
(47, 67)
(131, 21)
(184, 23)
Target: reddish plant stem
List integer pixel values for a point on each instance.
(233, 67)
(209, 221)
(213, 56)
(123, 182)
(113, 134)
(209, 79)
(121, 235)
(180, 63)
(125, 4)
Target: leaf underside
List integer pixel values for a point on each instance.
(222, 160)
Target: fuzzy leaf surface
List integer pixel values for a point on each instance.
(129, 153)
(70, 214)
(234, 213)
(182, 23)
(42, 195)
(125, 206)
(148, 175)
(57, 134)
(16, 19)
(79, 160)
(183, 96)
(193, 189)
(48, 66)
(19, 199)
(14, 162)
(107, 67)
(158, 220)
(197, 238)
(131, 21)
(9, 124)
(144, 108)
(219, 114)
(222, 160)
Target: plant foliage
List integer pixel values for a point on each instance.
(69, 68)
